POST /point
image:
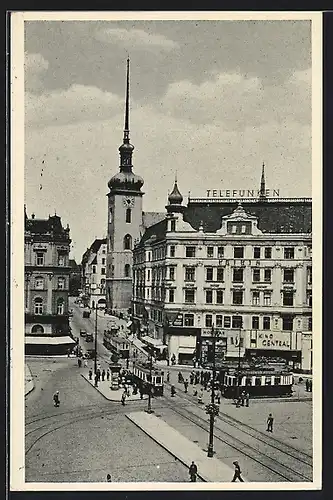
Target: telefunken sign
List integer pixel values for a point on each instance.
(242, 193)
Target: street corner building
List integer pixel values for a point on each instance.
(93, 267)
(240, 266)
(47, 275)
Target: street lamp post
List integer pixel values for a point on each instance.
(149, 408)
(95, 363)
(212, 409)
(239, 365)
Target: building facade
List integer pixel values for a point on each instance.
(47, 274)
(243, 267)
(94, 273)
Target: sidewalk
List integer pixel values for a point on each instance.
(112, 395)
(209, 469)
(28, 380)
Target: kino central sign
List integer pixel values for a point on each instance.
(242, 193)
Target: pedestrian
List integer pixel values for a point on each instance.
(123, 398)
(96, 380)
(310, 385)
(173, 390)
(307, 385)
(218, 396)
(247, 399)
(191, 378)
(103, 375)
(108, 375)
(200, 396)
(98, 373)
(56, 399)
(185, 385)
(90, 374)
(270, 420)
(180, 377)
(243, 398)
(141, 393)
(193, 471)
(108, 478)
(79, 362)
(168, 377)
(195, 391)
(237, 473)
(85, 363)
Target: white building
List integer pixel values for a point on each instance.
(94, 273)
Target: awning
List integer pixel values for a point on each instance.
(186, 350)
(153, 342)
(39, 340)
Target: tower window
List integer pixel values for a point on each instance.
(127, 242)
(127, 271)
(128, 215)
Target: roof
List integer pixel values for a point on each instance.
(51, 227)
(155, 233)
(151, 218)
(96, 245)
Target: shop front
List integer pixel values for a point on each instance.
(276, 346)
(182, 345)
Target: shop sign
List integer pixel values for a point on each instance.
(273, 341)
(179, 321)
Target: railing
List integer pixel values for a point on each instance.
(247, 200)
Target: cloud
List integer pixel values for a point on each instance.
(34, 67)
(236, 100)
(133, 39)
(76, 104)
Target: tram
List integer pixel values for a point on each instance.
(117, 345)
(147, 383)
(258, 383)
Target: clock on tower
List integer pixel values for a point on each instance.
(128, 201)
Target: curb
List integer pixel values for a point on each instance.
(105, 397)
(164, 448)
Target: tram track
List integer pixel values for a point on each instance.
(291, 472)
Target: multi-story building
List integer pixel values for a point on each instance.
(47, 273)
(243, 267)
(75, 278)
(126, 223)
(94, 273)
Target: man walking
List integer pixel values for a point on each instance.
(237, 473)
(270, 420)
(193, 471)
(185, 385)
(56, 399)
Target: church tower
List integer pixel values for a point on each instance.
(124, 222)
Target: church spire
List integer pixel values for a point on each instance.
(126, 149)
(262, 192)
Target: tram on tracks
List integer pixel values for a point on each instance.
(117, 345)
(260, 383)
(148, 379)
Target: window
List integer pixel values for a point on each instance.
(190, 252)
(209, 296)
(171, 273)
(172, 250)
(219, 274)
(128, 242)
(61, 283)
(189, 273)
(208, 320)
(171, 295)
(256, 253)
(287, 323)
(103, 261)
(288, 298)
(128, 215)
(220, 252)
(61, 260)
(243, 229)
(94, 269)
(289, 253)
(219, 296)
(288, 275)
(148, 274)
(210, 252)
(103, 270)
(237, 297)
(189, 319)
(268, 253)
(173, 226)
(267, 298)
(255, 322)
(238, 252)
(209, 274)
(238, 274)
(237, 322)
(127, 271)
(256, 275)
(60, 306)
(268, 275)
(309, 299)
(234, 229)
(227, 321)
(266, 323)
(189, 296)
(309, 275)
(219, 318)
(310, 324)
(39, 258)
(39, 283)
(38, 305)
(255, 298)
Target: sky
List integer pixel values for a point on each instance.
(210, 102)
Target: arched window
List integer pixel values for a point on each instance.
(128, 242)
(37, 329)
(127, 271)
(128, 215)
(60, 306)
(38, 305)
